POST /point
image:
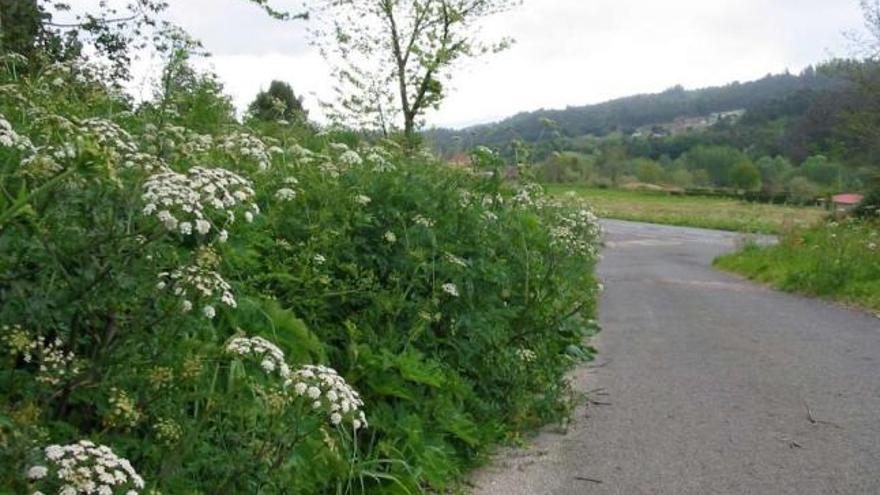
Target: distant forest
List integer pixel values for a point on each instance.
(801, 134)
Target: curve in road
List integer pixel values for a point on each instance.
(708, 384)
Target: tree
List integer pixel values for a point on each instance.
(613, 162)
(20, 25)
(717, 161)
(279, 102)
(28, 27)
(392, 57)
(745, 176)
(774, 172)
(802, 190)
(649, 171)
(682, 178)
(822, 171)
(196, 98)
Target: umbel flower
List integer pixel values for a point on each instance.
(84, 468)
(576, 233)
(269, 355)
(450, 289)
(198, 282)
(10, 139)
(183, 203)
(321, 387)
(244, 146)
(55, 365)
(330, 393)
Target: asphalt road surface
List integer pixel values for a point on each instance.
(708, 385)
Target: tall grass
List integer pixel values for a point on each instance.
(835, 260)
(695, 211)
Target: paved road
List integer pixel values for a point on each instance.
(714, 386)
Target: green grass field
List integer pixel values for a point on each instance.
(838, 261)
(694, 211)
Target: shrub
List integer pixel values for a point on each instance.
(869, 208)
(236, 312)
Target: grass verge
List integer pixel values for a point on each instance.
(694, 211)
(838, 261)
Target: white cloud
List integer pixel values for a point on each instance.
(568, 52)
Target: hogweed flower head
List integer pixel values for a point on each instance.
(244, 146)
(577, 233)
(199, 282)
(85, 468)
(450, 289)
(269, 355)
(350, 159)
(11, 139)
(54, 364)
(330, 393)
(123, 410)
(285, 194)
(183, 203)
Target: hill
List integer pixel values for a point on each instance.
(634, 112)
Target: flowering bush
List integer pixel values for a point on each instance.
(402, 315)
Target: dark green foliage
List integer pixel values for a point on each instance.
(453, 301)
(869, 208)
(628, 114)
(20, 26)
(278, 103)
(745, 176)
(110, 34)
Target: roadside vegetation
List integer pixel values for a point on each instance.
(838, 260)
(197, 304)
(694, 211)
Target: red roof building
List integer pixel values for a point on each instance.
(846, 201)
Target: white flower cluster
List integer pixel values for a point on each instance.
(528, 195)
(577, 233)
(321, 385)
(450, 289)
(200, 282)
(181, 201)
(379, 158)
(423, 221)
(270, 356)
(175, 142)
(329, 169)
(455, 260)
(350, 159)
(329, 392)
(109, 136)
(301, 154)
(11, 139)
(289, 192)
(285, 194)
(338, 148)
(244, 146)
(362, 199)
(526, 355)
(55, 364)
(222, 189)
(86, 468)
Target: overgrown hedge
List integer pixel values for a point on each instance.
(169, 292)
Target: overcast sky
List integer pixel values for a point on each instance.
(568, 52)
